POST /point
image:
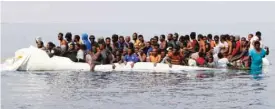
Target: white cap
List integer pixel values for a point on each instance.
(38, 39)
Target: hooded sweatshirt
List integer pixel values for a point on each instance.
(86, 41)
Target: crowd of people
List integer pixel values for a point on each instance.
(194, 49)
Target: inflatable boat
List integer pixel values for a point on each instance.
(34, 59)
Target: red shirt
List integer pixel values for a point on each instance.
(200, 61)
(237, 49)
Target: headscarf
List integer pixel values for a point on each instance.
(86, 41)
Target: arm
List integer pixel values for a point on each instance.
(267, 50)
(229, 48)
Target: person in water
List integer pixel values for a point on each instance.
(256, 55)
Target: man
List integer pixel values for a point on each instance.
(202, 44)
(194, 42)
(94, 44)
(163, 42)
(236, 50)
(147, 48)
(63, 43)
(256, 55)
(135, 39)
(71, 53)
(69, 39)
(171, 40)
(252, 39)
(40, 43)
(222, 62)
(141, 43)
(211, 41)
(108, 44)
(121, 43)
(77, 39)
(174, 57)
(154, 57)
(51, 50)
(86, 42)
(131, 57)
(128, 42)
(217, 40)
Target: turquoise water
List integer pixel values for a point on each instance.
(126, 90)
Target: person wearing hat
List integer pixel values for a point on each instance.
(39, 43)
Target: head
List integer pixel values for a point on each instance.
(130, 51)
(155, 52)
(108, 41)
(222, 38)
(140, 37)
(92, 38)
(257, 45)
(259, 35)
(176, 36)
(170, 37)
(39, 44)
(60, 36)
(76, 38)
(114, 38)
(175, 51)
(134, 36)
(186, 38)
(128, 38)
(136, 50)
(201, 54)
(193, 35)
(237, 38)
(71, 46)
(148, 44)
(155, 46)
(162, 53)
(210, 59)
(50, 45)
(220, 55)
(209, 36)
(181, 39)
(156, 38)
(121, 39)
(162, 37)
(102, 46)
(68, 36)
(243, 41)
(249, 37)
(231, 38)
(216, 38)
(200, 37)
(85, 37)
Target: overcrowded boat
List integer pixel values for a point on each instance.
(159, 54)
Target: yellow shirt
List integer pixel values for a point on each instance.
(155, 59)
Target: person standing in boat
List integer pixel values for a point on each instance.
(256, 55)
(69, 39)
(94, 44)
(163, 42)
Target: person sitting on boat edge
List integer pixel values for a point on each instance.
(51, 50)
(201, 61)
(71, 53)
(222, 62)
(80, 52)
(174, 58)
(40, 43)
(131, 57)
(154, 57)
(256, 55)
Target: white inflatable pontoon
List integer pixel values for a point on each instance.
(34, 59)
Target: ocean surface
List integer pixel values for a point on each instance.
(128, 90)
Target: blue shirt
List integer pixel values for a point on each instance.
(256, 60)
(131, 58)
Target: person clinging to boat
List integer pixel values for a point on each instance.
(220, 51)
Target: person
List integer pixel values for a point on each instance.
(140, 43)
(69, 39)
(223, 45)
(162, 56)
(128, 43)
(118, 57)
(229, 40)
(102, 56)
(141, 55)
(256, 55)
(77, 39)
(171, 40)
(217, 40)
(174, 57)
(154, 57)
(210, 62)
(252, 39)
(148, 48)
(121, 43)
(114, 38)
(181, 42)
(211, 41)
(50, 49)
(163, 42)
(94, 44)
(194, 42)
(108, 44)
(80, 52)
(86, 42)
(135, 39)
(201, 61)
(242, 58)
(71, 53)
(222, 62)
(202, 47)
(39, 43)
(62, 42)
(131, 57)
(236, 50)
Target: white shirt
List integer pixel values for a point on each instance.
(222, 45)
(80, 54)
(222, 63)
(252, 40)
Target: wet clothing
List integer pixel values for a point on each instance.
(256, 59)
(86, 42)
(131, 58)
